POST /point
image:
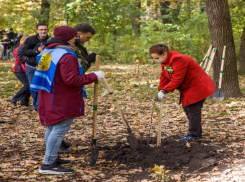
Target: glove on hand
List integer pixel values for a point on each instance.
(160, 95)
(99, 74)
(91, 58)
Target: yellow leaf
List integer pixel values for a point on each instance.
(156, 169)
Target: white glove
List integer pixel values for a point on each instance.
(160, 95)
(99, 74)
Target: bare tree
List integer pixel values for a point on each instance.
(221, 35)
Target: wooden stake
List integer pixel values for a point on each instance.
(159, 129)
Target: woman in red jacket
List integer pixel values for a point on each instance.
(23, 94)
(183, 73)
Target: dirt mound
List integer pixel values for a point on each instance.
(174, 155)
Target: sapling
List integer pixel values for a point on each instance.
(160, 173)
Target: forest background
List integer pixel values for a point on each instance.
(125, 29)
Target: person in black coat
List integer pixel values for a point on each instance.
(11, 35)
(31, 48)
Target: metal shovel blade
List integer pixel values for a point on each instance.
(218, 96)
(133, 142)
(94, 153)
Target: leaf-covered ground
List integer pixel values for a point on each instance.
(218, 156)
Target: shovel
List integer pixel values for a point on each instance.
(132, 140)
(206, 57)
(94, 150)
(219, 96)
(209, 64)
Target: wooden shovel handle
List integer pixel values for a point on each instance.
(222, 67)
(206, 56)
(159, 129)
(211, 60)
(115, 102)
(96, 88)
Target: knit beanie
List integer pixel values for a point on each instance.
(64, 33)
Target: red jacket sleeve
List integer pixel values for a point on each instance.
(171, 81)
(163, 81)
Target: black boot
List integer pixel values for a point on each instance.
(65, 144)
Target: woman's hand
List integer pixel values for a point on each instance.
(160, 95)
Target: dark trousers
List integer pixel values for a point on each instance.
(24, 93)
(194, 115)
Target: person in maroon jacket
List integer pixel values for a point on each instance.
(58, 108)
(181, 72)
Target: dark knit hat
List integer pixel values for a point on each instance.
(64, 33)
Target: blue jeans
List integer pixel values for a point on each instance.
(53, 138)
(29, 74)
(2, 51)
(8, 53)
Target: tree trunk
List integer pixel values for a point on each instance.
(135, 19)
(65, 20)
(202, 6)
(176, 11)
(164, 9)
(241, 70)
(148, 9)
(188, 11)
(221, 35)
(45, 10)
(155, 13)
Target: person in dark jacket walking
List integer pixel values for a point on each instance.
(23, 94)
(2, 34)
(6, 45)
(11, 35)
(181, 72)
(31, 48)
(60, 80)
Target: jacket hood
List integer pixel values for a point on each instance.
(54, 42)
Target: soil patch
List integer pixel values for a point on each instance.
(174, 155)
